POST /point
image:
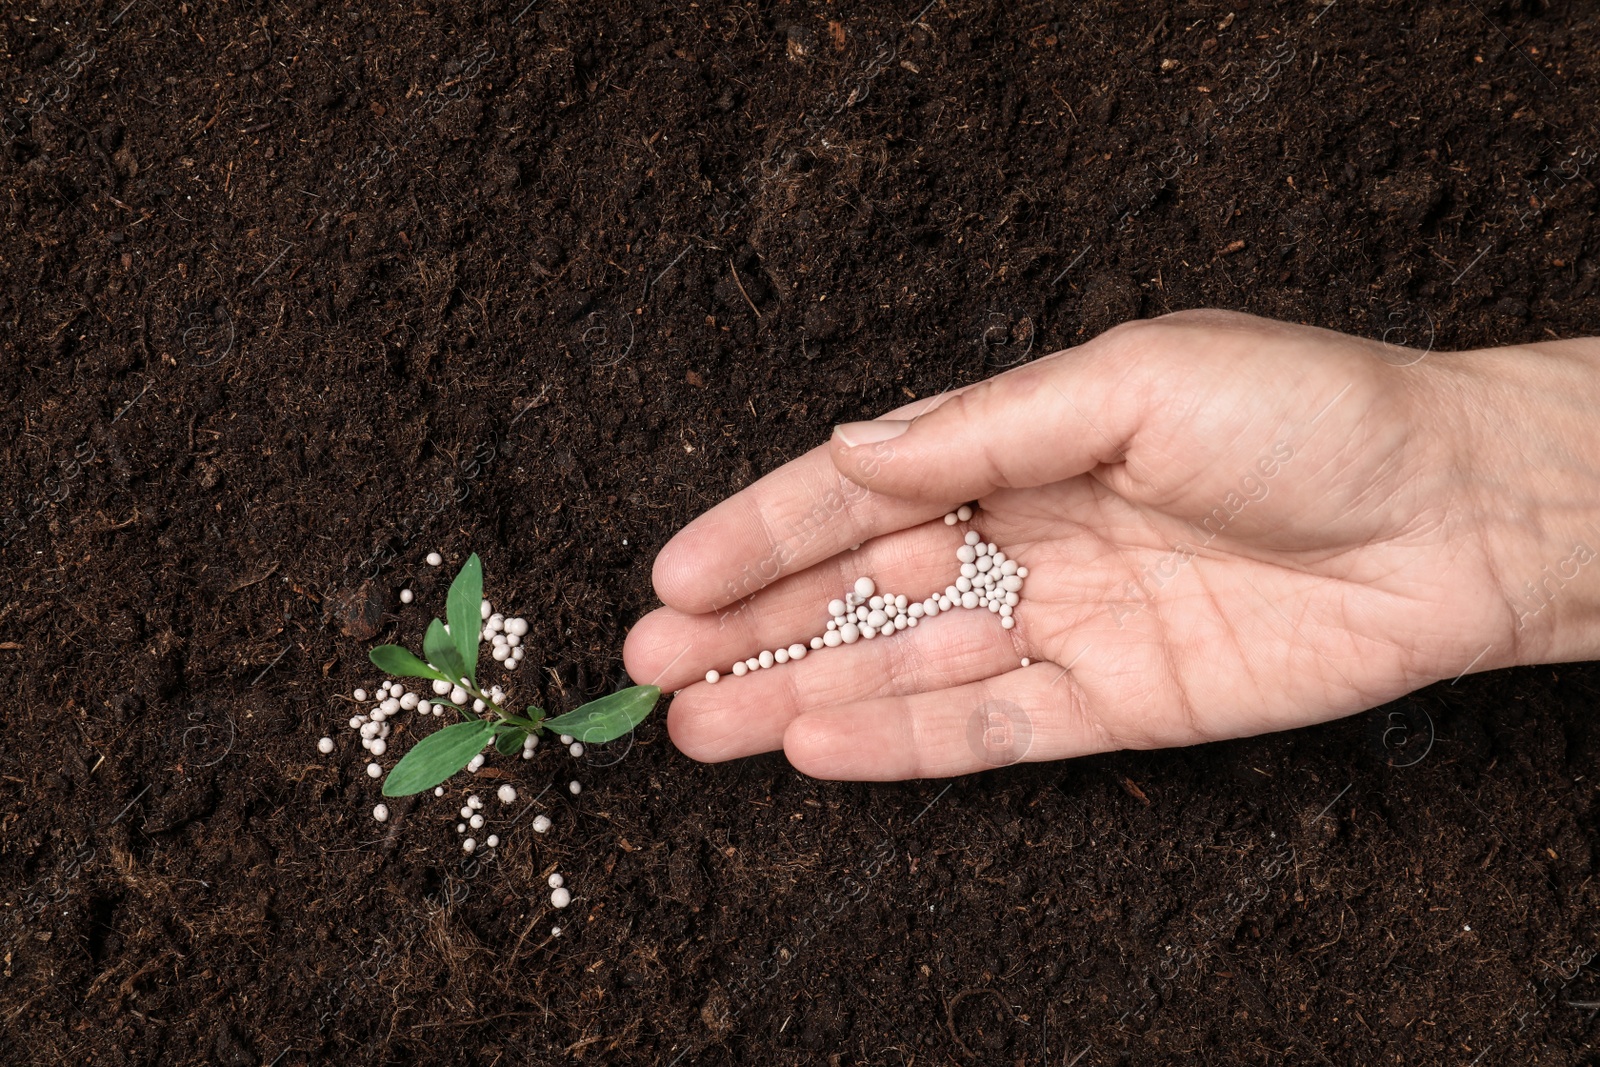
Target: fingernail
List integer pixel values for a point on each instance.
(855, 434)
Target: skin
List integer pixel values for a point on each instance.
(1232, 526)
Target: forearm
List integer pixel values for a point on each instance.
(1527, 432)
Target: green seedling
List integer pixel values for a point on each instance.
(450, 655)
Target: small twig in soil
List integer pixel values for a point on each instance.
(535, 403)
(526, 930)
(130, 403)
(273, 664)
(131, 803)
(740, 284)
(248, 582)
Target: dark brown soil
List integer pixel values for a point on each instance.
(292, 293)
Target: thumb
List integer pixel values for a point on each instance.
(1054, 419)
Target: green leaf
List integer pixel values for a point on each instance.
(392, 659)
(437, 756)
(609, 717)
(441, 651)
(464, 610)
(509, 743)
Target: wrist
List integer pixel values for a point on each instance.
(1525, 438)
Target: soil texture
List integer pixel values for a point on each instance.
(293, 293)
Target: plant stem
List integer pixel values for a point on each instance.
(499, 713)
(479, 694)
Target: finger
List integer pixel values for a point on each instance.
(798, 515)
(671, 649)
(1053, 419)
(1033, 713)
(745, 716)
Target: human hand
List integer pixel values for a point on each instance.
(1232, 526)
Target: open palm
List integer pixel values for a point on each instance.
(1231, 526)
